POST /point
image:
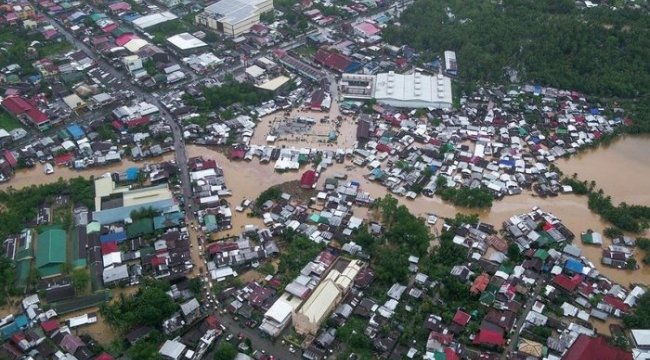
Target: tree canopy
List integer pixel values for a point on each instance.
(149, 306)
(598, 51)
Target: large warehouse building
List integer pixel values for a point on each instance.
(233, 17)
(115, 203)
(405, 91)
(325, 298)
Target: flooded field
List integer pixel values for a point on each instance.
(315, 136)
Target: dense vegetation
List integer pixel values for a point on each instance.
(464, 196)
(640, 318)
(149, 306)
(300, 250)
(229, 93)
(625, 217)
(598, 51)
(16, 48)
(7, 278)
(225, 351)
(273, 193)
(20, 205)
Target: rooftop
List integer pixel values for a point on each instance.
(186, 41)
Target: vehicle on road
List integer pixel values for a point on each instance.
(229, 337)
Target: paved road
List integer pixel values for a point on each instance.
(514, 339)
(276, 349)
(177, 131)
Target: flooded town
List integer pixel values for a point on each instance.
(250, 179)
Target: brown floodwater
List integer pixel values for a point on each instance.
(621, 168)
(36, 176)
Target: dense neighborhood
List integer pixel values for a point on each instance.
(250, 179)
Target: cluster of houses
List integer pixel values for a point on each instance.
(33, 332)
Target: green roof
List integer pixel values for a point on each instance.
(139, 228)
(506, 269)
(210, 219)
(79, 264)
(96, 16)
(542, 254)
(51, 247)
(51, 251)
(93, 227)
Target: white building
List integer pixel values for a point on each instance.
(186, 42)
(233, 17)
(278, 317)
(150, 20)
(405, 91)
(451, 67)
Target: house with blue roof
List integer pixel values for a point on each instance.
(574, 266)
(118, 237)
(75, 131)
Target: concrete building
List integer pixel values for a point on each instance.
(451, 67)
(404, 91)
(233, 17)
(113, 203)
(186, 43)
(327, 295)
(278, 316)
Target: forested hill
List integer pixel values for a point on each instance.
(599, 51)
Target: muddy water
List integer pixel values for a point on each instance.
(621, 169)
(35, 175)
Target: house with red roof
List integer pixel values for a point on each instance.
(588, 348)
(480, 284)
(119, 7)
(461, 318)
(11, 159)
(308, 179)
(335, 61)
(489, 338)
(566, 283)
(50, 327)
(23, 109)
(104, 356)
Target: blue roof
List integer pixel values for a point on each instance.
(433, 168)
(21, 320)
(355, 66)
(75, 131)
(130, 17)
(9, 330)
(116, 236)
(537, 89)
(509, 163)
(574, 265)
(595, 111)
(167, 220)
(132, 173)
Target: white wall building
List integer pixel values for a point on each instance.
(233, 17)
(405, 91)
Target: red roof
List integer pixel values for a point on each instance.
(567, 283)
(63, 159)
(332, 60)
(125, 38)
(109, 247)
(117, 125)
(308, 179)
(616, 303)
(461, 318)
(104, 356)
(16, 105)
(119, 6)
(212, 321)
(11, 159)
(237, 154)
(450, 354)
(50, 326)
(141, 121)
(383, 148)
(18, 337)
(110, 28)
(588, 348)
(489, 337)
(225, 247)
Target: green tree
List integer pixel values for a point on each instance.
(225, 351)
(80, 279)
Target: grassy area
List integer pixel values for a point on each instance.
(307, 51)
(8, 122)
(17, 43)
